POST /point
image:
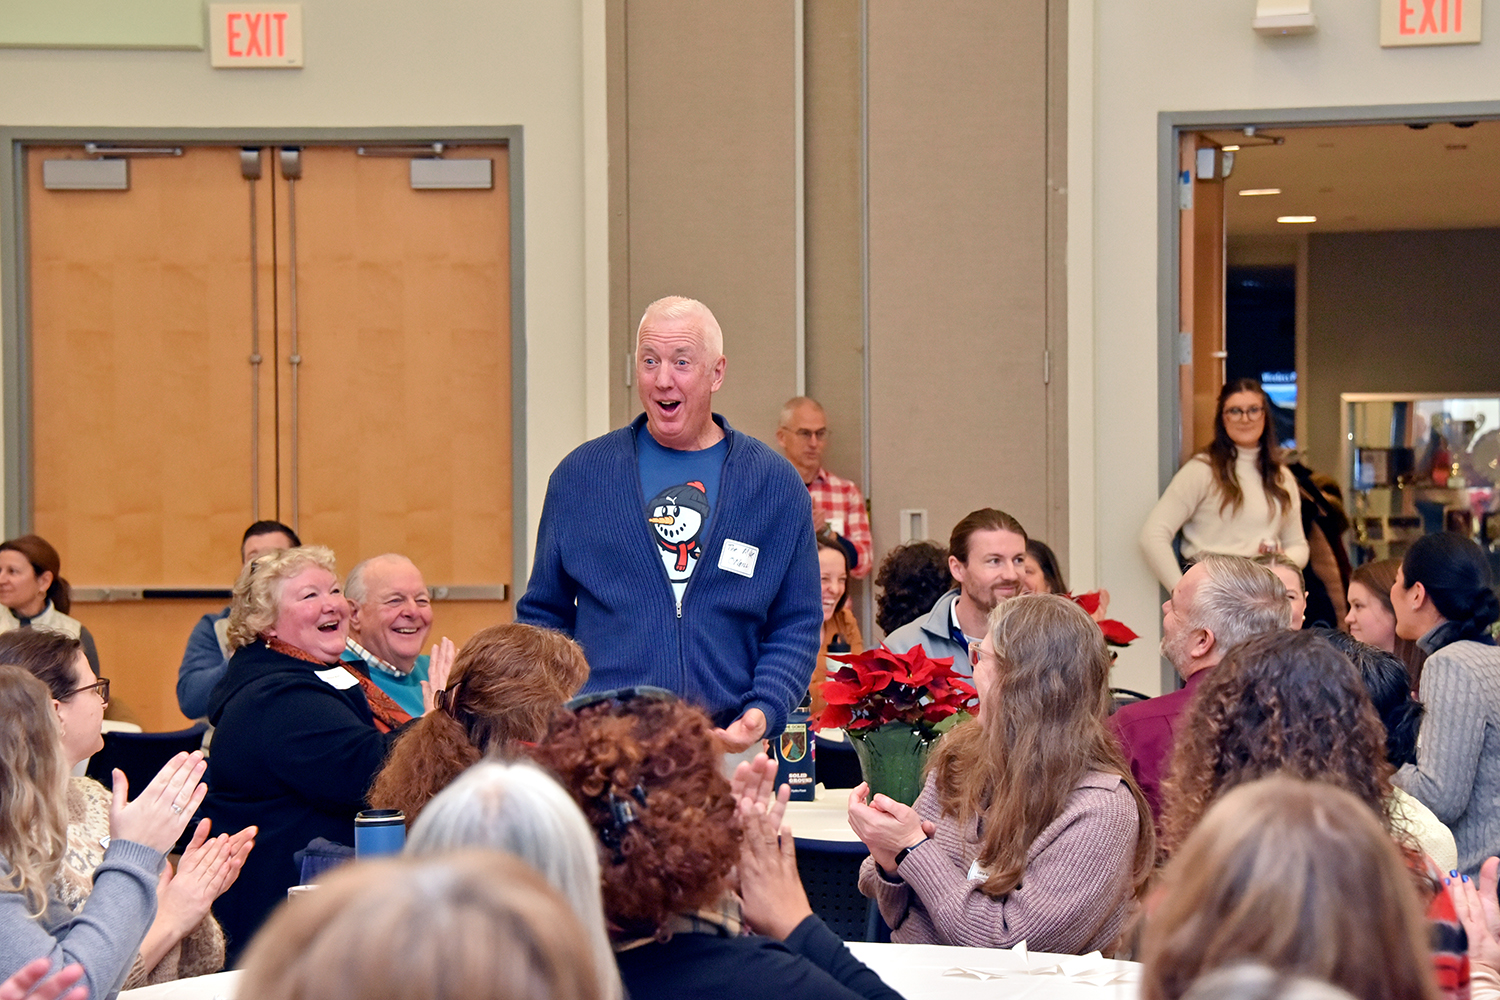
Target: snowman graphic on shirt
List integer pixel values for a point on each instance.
(677, 515)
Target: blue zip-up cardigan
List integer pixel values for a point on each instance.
(738, 643)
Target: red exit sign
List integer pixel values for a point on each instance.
(255, 36)
(1429, 22)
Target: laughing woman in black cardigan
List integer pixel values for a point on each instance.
(295, 746)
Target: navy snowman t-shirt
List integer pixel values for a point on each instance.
(680, 488)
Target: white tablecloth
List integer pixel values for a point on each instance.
(916, 971)
(919, 972)
(824, 819)
(219, 986)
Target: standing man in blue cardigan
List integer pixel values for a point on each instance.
(680, 552)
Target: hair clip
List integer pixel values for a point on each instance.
(621, 815)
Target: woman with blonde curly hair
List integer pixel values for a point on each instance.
(469, 925)
(1299, 875)
(295, 744)
(506, 683)
(1290, 703)
(1029, 826)
(647, 772)
(105, 937)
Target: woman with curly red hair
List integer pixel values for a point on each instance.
(505, 684)
(647, 772)
(1289, 703)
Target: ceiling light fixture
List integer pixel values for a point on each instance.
(1230, 149)
(1297, 218)
(1252, 192)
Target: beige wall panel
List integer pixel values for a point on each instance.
(835, 203)
(710, 148)
(958, 248)
(404, 403)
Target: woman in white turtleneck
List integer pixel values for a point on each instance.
(1233, 497)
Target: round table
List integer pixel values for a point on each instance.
(825, 820)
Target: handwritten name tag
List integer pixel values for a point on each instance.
(738, 557)
(337, 677)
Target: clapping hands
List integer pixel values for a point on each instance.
(27, 983)
(161, 812)
(885, 825)
(1479, 911)
(439, 666)
(208, 867)
(772, 899)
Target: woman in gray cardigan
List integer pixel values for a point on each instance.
(105, 935)
(1443, 601)
(1029, 827)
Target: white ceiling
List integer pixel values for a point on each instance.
(1366, 177)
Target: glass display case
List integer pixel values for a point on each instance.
(1417, 463)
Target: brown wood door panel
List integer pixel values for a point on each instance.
(140, 382)
(140, 647)
(403, 409)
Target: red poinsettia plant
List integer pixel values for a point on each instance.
(878, 686)
(1096, 603)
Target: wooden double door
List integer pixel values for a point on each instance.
(274, 332)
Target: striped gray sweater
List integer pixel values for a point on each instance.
(1457, 773)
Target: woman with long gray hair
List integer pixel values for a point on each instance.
(519, 809)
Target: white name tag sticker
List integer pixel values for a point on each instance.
(977, 873)
(737, 557)
(337, 677)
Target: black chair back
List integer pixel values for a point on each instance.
(141, 755)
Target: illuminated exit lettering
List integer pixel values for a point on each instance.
(256, 36)
(1429, 22)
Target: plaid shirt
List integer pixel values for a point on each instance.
(838, 498)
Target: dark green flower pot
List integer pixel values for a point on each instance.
(891, 759)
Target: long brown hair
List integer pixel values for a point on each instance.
(506, 683)
(1222, 452)
(33, 787)
(1300, 875)
(492, 929)
(1286, 702)
(1378, 578)
(1042, 730)
(44, 559)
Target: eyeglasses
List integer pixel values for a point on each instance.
(974, 652)
(99, 687)
(619, 696)
(1247, 414)
(805, 435)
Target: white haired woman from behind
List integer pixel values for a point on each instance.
(519, 809)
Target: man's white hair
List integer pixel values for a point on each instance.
(355, 589)
(676, 307)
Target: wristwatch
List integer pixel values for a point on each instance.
(901, 854)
